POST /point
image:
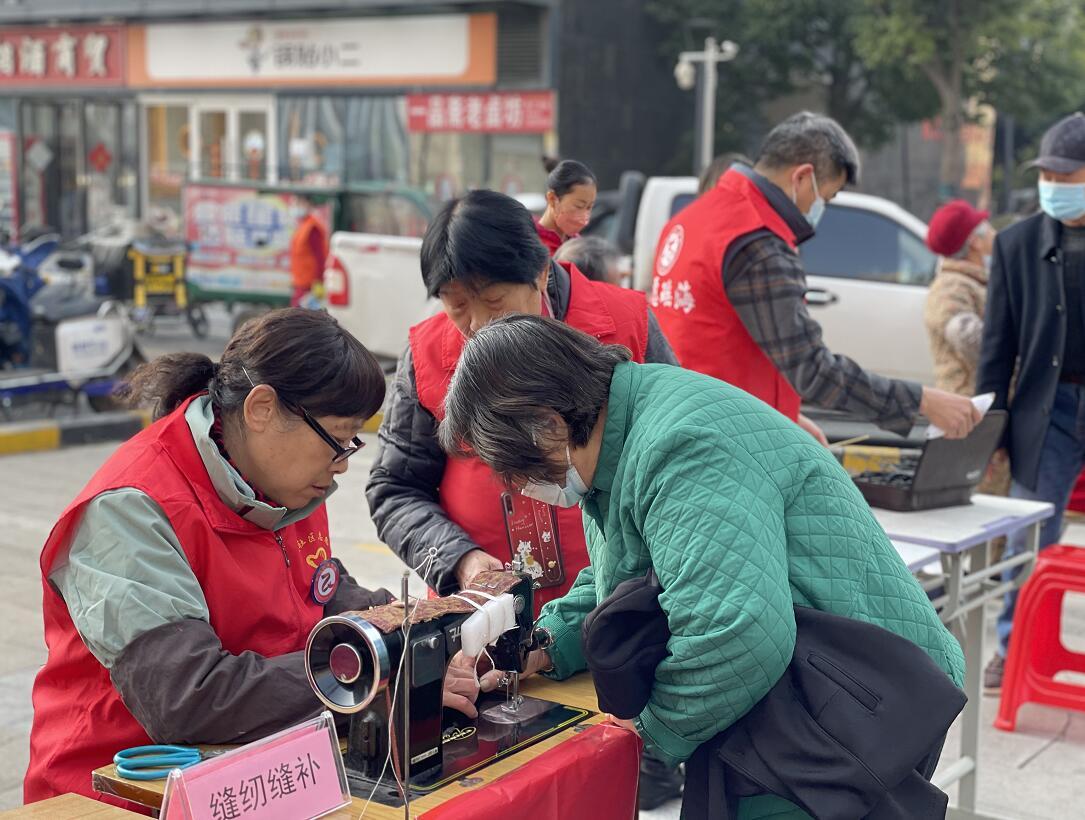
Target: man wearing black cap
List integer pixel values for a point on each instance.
(1036, 318)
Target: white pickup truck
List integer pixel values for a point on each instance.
(868, 274)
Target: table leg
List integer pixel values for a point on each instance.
(974, 623)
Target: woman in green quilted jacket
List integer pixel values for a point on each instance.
(742, 514)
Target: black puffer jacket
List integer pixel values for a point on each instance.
(409, 466)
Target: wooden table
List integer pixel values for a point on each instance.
(578, 691)
(68, 807)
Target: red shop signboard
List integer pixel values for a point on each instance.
(529, 112)
(75, 55)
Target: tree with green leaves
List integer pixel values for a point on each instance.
(881, 63)
(790, 46)
(1024, 57)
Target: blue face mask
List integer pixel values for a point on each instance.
(547, 492)
(817, 208)
(1064, 201)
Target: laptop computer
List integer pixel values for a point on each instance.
(945, 474)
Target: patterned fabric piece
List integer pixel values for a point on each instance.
(389, 618)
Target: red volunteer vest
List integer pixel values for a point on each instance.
(256, 602)
(551, 239)
(688, 295)
(470, 494)
(308, 251)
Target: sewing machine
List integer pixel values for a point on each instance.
(358, 666)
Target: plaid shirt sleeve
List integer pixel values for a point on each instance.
(766, 284)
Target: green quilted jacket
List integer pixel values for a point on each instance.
(743, 515)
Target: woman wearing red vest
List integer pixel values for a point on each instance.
(482, 258)
(181, 584)
(570, 196)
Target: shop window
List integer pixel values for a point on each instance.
(516, 164)
(385, 213)
(252, 130)
(213, 145)
(332, 141)
(9, 165)
(109, 163)
(447, 165)
(167, 157)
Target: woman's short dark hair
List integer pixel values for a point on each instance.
(567, 174)
(481, 237)
(309, 359)
(514, 375)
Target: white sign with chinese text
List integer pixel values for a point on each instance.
(332, 50)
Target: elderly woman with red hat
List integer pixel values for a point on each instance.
(956, 302)
(963, 238)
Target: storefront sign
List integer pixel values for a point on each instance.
(79, 56)
(529, 112)
(452, 49)
(239, 240)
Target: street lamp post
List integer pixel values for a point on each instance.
(685, 74)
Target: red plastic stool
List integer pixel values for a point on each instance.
(1036, 652)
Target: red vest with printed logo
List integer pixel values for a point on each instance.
(689, 299)
(470, 494)
(256, 588)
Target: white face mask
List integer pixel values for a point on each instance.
(817, 207)
(547, 492)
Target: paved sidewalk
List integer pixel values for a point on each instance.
(1036, 773)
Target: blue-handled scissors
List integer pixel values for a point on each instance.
(155, 762)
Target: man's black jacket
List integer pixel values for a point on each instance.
(1025, 326)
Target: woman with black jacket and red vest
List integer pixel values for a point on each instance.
(182, 583)
(482, 259)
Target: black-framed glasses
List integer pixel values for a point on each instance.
(341, 453)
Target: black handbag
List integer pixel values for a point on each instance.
(625, 638)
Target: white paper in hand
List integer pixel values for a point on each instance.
(982, 403)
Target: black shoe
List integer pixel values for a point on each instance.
(992, 677)
(658, 784)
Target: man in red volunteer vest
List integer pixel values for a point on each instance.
(182, 583)
(452, 518)
(729, 288)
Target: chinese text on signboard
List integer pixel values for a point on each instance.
(529, 112)
(84, 55)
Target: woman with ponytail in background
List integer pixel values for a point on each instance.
(181, 584)
(570, 195)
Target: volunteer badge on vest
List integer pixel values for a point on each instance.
(325, 582)
(672, 246)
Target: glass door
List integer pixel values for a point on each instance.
(252, 146)
(212, 126)
(41, 179)
(167, 154)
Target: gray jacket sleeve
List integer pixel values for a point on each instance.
(403, 487)
(659, 349)
(183, 687)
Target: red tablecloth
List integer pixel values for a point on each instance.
(591, 776)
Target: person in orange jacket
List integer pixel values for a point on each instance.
(308, 253)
